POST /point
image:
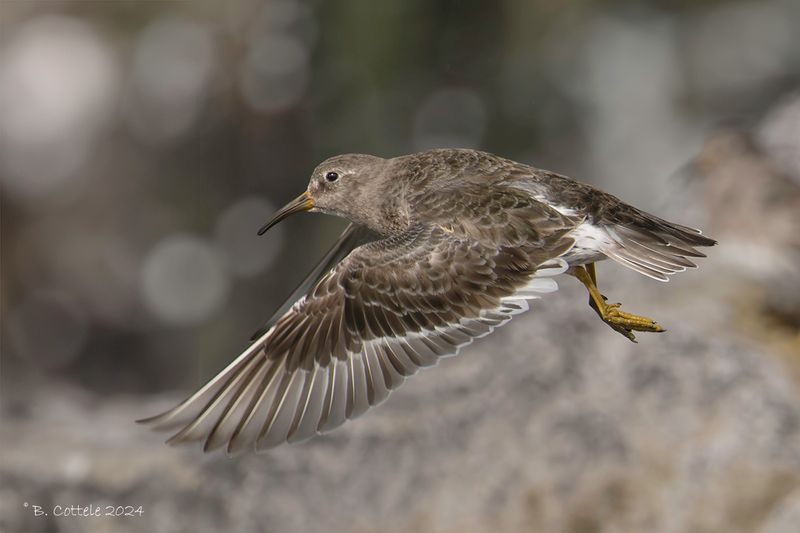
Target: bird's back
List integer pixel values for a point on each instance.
(603, 226)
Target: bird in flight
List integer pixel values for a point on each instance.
(444, 246)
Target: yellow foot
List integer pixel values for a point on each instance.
(622, 322)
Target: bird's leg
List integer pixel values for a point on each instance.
(620, 321)
(592, 274)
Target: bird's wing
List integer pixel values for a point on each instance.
(653, 246)
(496, 216)
(648, 244)
(388, 309)
(353, 236)
(632, 238)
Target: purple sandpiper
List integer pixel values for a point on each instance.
(443, 247)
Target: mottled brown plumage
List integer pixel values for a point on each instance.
(444, 246)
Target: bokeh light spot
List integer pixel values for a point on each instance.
(48, 329)
(450, 118)
(247, 253)
(57, 83)
(275, 73)
(172, 70)
(184, 280)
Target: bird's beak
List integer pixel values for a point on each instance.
(301, 203)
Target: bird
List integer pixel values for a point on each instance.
(444, 246)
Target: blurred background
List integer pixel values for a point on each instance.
(142, 144)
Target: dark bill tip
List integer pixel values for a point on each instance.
(301, 203)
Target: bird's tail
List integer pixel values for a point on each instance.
(653, 246)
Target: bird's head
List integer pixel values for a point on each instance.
(338, 186)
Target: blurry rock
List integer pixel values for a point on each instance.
(739, 192)
(552, 424)
(753, 209)
(779, 134)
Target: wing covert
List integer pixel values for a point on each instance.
(389, 308)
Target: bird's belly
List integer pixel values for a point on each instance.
(582, 256)
(590, 241)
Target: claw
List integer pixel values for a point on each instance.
(625, 323)
(620, 321)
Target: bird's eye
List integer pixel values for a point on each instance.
(332, 176)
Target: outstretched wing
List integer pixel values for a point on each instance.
(389, 308)
(353, 236)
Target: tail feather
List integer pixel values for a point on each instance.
(655, 248)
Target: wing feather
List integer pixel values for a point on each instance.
(336, 399)
(387, 309)
(250, 425)
(304, 425)
(357, 398)
(276, 428)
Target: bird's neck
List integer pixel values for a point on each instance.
(388, 211)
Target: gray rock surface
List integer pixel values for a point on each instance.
(554, 423)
